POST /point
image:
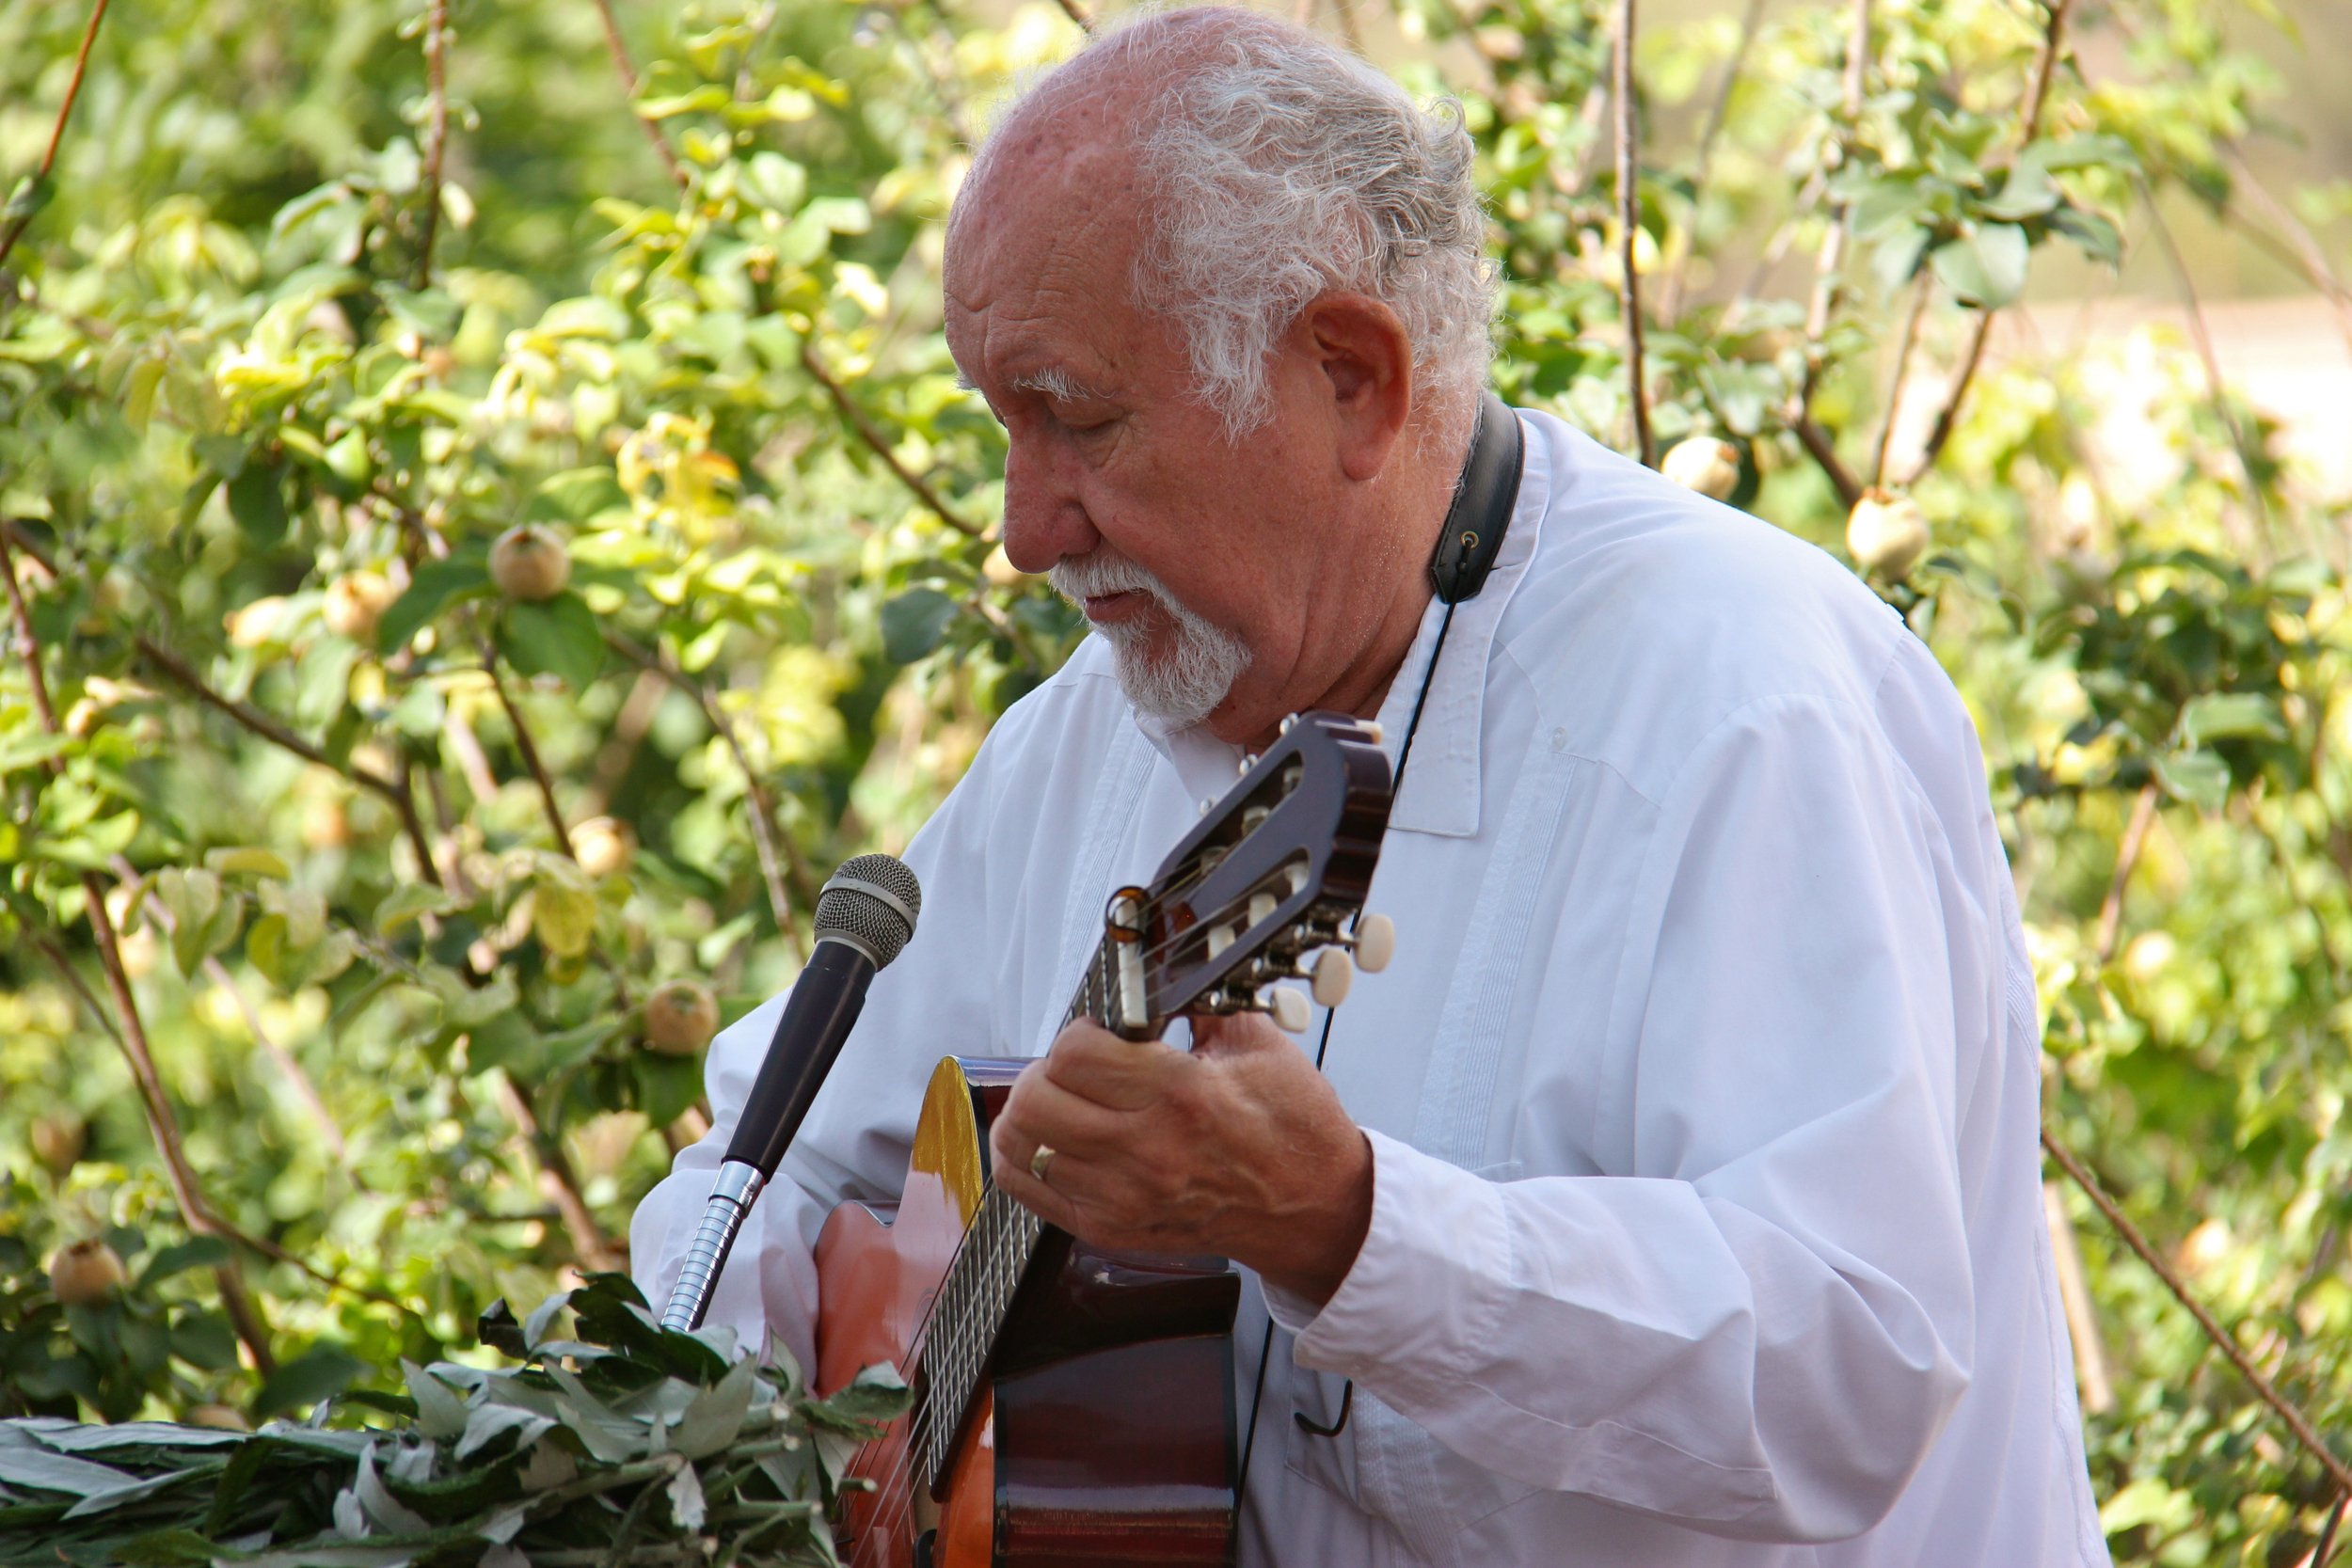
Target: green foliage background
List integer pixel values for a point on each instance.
(287, 313)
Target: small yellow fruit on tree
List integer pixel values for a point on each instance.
(1707, 463)
(1886, 534)
(58, 1139)
(1000, 572)
(680, 1018)
(355, 602)
(85, 1273)
(604, 846)
(530, 562)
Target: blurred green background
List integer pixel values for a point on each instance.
(366, 892)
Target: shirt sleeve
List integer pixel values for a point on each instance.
(932, 1002)
(1757, 1326)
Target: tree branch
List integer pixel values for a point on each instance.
(2297, 1423)
(1895, 387)
(436, 131)
(868, 433)
(2202, 336)
(559, 1184)
(767, 833)
(1830, 264)
(392, 789)
(528, 751)
(619, 51)
(17, 224)
(1629, 227)
(160, 1124)
(1079, 14)
(2037, 96)
(2126, 856)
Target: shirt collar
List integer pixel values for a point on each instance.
(1441, 784)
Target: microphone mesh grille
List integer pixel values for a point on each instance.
(847, 911)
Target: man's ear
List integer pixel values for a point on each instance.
(1365, 359)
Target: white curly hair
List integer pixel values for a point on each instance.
(1278, 168)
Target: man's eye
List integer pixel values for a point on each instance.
(1084, 421)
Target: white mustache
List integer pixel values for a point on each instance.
(1103, 572)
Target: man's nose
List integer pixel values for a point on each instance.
(1046, 511)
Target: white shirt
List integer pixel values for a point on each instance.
(1707, 1225)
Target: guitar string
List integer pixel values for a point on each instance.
(963, 1382)
(920, 1429)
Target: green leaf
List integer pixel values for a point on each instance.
(407, 902)
(913, 623)
(257, 501)
(30, 194)
(553, 637)
(205, 1342)
(563, 916)
(437, 585)
(2220, 715)
(322, 1373)
(2099, 238)
(2196, 778)
(1986, 269)
(198, 1252)
(666, 1085)
(41, 1470)
(248, 860)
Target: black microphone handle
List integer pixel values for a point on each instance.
(818, 1018)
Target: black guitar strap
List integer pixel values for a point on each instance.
(1484, 498)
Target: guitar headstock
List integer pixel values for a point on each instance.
(1276, 870)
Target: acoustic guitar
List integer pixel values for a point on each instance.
(1075, 1406)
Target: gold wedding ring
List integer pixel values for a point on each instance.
(1041, 1161)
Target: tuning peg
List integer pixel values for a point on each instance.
(1289, 1009)
(1375, 943)
(1333, 975)
(1288, 720)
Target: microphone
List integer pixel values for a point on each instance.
(864, 918)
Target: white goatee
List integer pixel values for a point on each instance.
(1182, 686)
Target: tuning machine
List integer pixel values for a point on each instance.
(1372, 940)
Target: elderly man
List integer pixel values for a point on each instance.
(1674, 1200)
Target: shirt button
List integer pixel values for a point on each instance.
(1559, 740)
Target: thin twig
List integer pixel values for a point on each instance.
(2301, 244)
(880, 445)
(2037, 96)
(392, 790)
(436, 130)
(2126, 856)
(1630, 224)
(1818, 447)
(558, 1182)
(2202, 336)
(619, 51)
(2082, 1320)
(2297, 1423)
(1079, 14)
(767, 833)
(528, 751)
(1895, 389)
(1670, 294)
(17, 226)
(1829, 265)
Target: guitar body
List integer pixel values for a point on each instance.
(1103, 1429)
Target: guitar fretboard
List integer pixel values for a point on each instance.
(977, 1295)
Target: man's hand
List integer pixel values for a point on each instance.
(1238, 1148)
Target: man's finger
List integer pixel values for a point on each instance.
(1125, 1075)
(1042, 1111)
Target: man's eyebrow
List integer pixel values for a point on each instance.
(1054, 382)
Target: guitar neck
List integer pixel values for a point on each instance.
(977, 1295)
